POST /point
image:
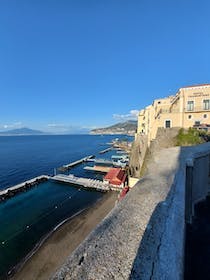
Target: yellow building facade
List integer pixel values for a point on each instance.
(188, 107)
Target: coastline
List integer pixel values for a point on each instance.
(53, 250)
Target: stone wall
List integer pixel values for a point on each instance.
(165, 138)
(138, 151)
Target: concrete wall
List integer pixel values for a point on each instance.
(143, 236)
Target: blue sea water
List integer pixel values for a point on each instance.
(29, 216)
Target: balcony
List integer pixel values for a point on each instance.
(166, 111)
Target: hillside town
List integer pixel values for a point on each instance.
(189, 107)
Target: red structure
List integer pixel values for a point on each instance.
(123, 193)
(116, 176)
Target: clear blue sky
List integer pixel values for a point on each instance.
(88, 63)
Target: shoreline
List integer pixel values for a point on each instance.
(52, 251)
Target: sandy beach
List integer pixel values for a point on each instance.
(54, 251)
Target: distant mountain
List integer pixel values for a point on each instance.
(21, 131)
(128, 127)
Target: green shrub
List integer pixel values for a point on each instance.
(188, 137)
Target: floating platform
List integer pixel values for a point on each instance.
(84, 182)
(106, 163)
(11, 191)
(101, 160)
(123, 158)
(106, 150)
(122, 152)
(72, 164)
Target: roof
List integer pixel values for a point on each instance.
(115, 176)
(200, 85)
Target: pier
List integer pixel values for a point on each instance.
(11, 191)
(106, 150)
(72, 164)
(84, 182)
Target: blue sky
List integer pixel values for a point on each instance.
(89, 63)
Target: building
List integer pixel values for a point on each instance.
(116, 177)
(189, 107)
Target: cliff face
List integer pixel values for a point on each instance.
(137, 155)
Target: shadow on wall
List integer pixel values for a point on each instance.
(198, 243)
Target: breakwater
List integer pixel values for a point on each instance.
(11, 191)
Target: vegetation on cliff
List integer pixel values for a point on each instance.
(190, 137)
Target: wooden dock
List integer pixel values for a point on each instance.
(97, 168)
(85, 182)
(72, 164)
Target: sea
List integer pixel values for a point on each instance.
(30, 217)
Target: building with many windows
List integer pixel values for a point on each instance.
(189, 107)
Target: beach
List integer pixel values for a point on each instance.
(61, 243)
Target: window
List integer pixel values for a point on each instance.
(189, 116)
(190, 105)
(205, 116)
(159, 102)
(206, 104)
(167, 124)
